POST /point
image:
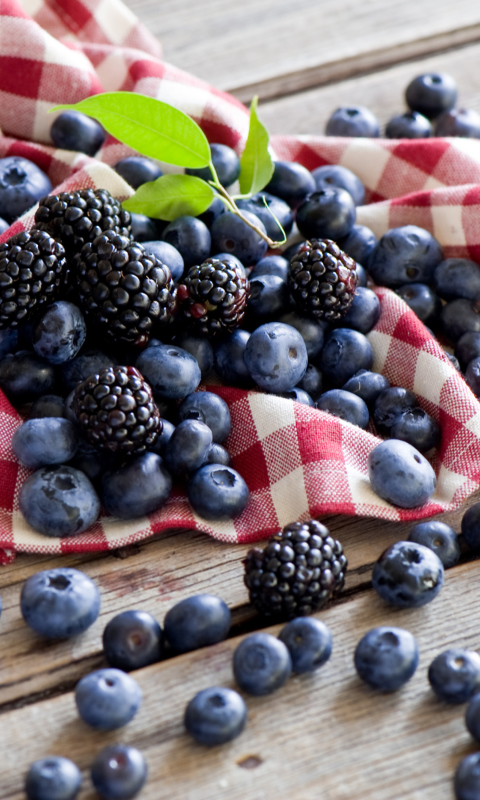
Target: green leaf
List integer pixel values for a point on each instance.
(256, 163)
(153, 128)
(171, 196)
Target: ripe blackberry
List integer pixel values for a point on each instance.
(322, 279)
(32, 270)
(297, 572)
(74, 218)
(122, 288)
(116, 411)
(213, 296)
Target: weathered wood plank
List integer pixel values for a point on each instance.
(322, 736)
(153, 577)
(274, 46)
(382, 92)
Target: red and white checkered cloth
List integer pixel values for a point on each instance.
(297, 461)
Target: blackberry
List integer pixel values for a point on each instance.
(322, 279)
(297, 572)
(74, 218)
(32, 271)
(122, 288)
(116, 411)
(213, 296)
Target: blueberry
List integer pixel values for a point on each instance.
(197, 621)
(472, 375)
(409, 125)
(187, 447)
(217, 493)
(9, 340)
(407, 254)
(24, 377)
(72, 130)
(344, 353)
(431, 93)
(215, 716)
(470, 526)
(352, 121)
(269, 209)
(408, 575)
(472, 716)
(422, 300)
(4, 225)
(59, 603)
(146, 229)
(229, 362)
(216, 207)
(232, 235)
(342, 178)
(168, 255)
(457, 277)
(53, 778)
(216, 454)
(367, 385)
(48, 405)
(276, 356)
(161, 442)
(136, 488)
(82, 366)
(59, 333)
(261, 664)
(400, 474)
(107, 699)
(299, 395)
(345, 405)
(309, 643)
(42, 441)
(312, 382)
(136, 170)
(199, 347)
(326, 214)
(132, 640)
(291, 182)
(191, 237)
(271, 265)
(359, 243)
(226, 163)
(386, 658)
(59, 501)
(364, 311)
(463, 122)
(440, 538)
(454, 675)
(22, 184)
(119, 772)
(389, 404)
(417, 428)
(209, 408)
(268, 298)
(457, 317)
(467, 778)
(171, 371)
(312, 331)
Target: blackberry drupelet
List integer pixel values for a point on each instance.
(76, 217)
(122, 288)
(213, 296)
(33, 269)
(297, 572)
(116, 411)
(322, 279)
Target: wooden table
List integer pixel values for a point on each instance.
(323, 736)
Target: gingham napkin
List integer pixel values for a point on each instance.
(297, 461)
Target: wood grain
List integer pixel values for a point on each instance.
(324, 736)
(274, 47)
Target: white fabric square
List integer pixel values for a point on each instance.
(116, 20)
(114, 528)
(32, 7)
(375, 216)
(269, 414)
(380, 343)
(433, 183)
(289, 497)
(24, 533)
(448, 225)
(473, 424)
(448, 483)
(113, 71)
(367, 162)
(430, 376)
